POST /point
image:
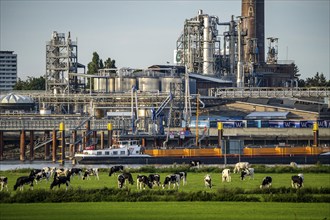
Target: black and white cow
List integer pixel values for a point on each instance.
(208, 181)
(297, 181)
(58, 180)
(247, 172)
(3, 182)
(195, 163)
(21, 181)
(91, 172)
(122, 179)
(266, 182)
(142, 181)
(172, 179)
(39, 175)
(183, 176)
(115, 169)
(241, 166)
(76, 171)
(154, 179)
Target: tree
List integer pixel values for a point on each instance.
(31, 83)
(317, 80)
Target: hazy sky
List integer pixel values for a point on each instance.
(138, 34)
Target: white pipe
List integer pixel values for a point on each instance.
(207, 48)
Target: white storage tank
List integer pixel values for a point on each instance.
(166, 83)
(148, 84)
(124, 84)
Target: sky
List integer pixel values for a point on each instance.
(138, 34)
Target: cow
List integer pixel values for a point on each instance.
(61, 171)
(183, 177)
(3, 182)
(58, 180)
(195, 163)
(297, 181)
(115, 169)
(122, 179)
(76, 171)
(226, 175)
(208, 181)
(247, 172)
(266, 182)
(91, 172)
(293, 165)
(172, 179)
(38, 175)
(21, 181)
(154, 179)
(241, 165)
(142, 181)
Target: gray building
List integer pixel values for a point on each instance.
(8, 70)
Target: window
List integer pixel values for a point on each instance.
(107, 152)
(122, 152)
(99, 153)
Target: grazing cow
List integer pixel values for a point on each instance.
(115, 169)
(183, 176)
(38, 175)
(122, 179)
(76, 171)
(240, 166)
(172, 179)
(293, 164)
(226, 175)
(297, 181)
(61, 171)
(247, 172)
(58, 180)
(21, 181)
(142, 181)
(266, 182)
(208, 181)
(3, 182)
(91, 172)
(154, 179)
(195, 163)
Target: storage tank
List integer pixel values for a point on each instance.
(149, 84)
(166, 83)
(111, 83)
(100, 85)
(124, 84)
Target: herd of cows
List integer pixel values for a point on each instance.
(62, 176)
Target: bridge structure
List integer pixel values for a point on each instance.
(270, 92)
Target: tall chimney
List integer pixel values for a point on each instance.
(260, 29)
(253, 12)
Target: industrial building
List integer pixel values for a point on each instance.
(216, 77)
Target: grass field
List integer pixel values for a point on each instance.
(195, 181)
(166, 210)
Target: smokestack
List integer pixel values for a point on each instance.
(253, 12)
(260, 29)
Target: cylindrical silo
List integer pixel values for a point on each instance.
(111, 84)
(149, 84)
(167, 81)
(124, 84)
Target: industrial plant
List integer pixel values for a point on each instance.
(226, 91)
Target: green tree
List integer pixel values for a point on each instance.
(31, 83)
(317, 80)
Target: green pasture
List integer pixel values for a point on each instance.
(195, 181)
(165, 210)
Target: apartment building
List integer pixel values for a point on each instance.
(8, 70)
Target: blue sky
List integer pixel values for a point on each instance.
(138, 34)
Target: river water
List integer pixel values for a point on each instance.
(12, 165)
